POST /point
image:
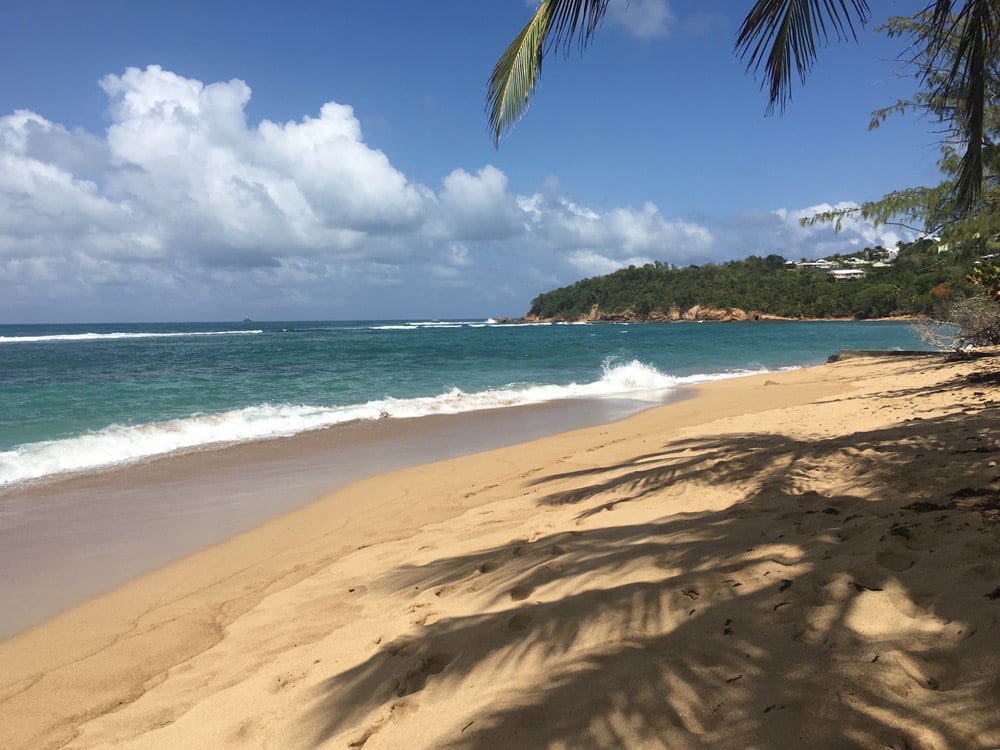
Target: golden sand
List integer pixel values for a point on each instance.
(806, 559)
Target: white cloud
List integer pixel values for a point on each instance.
(613, 239)
(184, 149)
(476, 207)
(591, 263)
(182, 175)
(45, 208)
(823, 239)
(779, 231)
(185, 209)
(458, 255)
(646, 19)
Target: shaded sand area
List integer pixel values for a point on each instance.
(800, 559)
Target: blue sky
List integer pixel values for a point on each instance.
(331, 160)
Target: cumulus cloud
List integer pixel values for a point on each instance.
(779, 231)
(184, 148)
(476, 207)
(183, 202)
(823, 239)
(184, 208)
(597, 243)
(645, 19)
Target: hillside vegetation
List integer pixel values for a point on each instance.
(916, 281)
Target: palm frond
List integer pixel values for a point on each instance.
(516, 73)
(972, 72)
(957, 50)
(782, 36)
(966, 41)
(576, 19)
(556, 23)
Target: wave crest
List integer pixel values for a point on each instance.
(122, 444)
(69, 337)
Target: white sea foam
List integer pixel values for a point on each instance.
(120, 444)
(434, 324)
(116, 335)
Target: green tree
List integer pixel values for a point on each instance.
(912, 285)
(940, 209)
(957, 41)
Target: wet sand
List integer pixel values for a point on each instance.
(800, 559)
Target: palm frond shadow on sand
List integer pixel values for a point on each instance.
(834, 619)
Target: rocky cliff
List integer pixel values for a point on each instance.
(695, 313)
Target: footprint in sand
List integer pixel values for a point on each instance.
(536, 535)
(285, 679)
(895, 560)
(539, 576)
(399, 708)
(978, 572)
(929, 671)
(521, 592)
(518, 622)
(245, 731)
(416, 678)
(365, 736)
(401, 647)
(488, 567)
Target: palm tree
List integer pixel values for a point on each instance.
(780, 38)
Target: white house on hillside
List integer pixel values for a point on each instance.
(846, 273)
(822, 263)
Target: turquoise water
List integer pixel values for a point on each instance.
(83, 397)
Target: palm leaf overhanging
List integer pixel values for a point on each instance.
(782, 37)
(555, 24)
(515, 74)
(962, 42)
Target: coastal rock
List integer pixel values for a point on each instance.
(674, 314)
(658, 316)
(721, 314)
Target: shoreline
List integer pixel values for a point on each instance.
(98, 443)
(71, 538)
(719, 316)
(401, 588)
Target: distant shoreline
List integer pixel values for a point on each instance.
(760, 318)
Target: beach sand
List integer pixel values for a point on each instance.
(798, 559)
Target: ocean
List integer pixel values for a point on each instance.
(85, 398)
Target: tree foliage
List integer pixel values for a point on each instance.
(963, 208)
(970, 322)
(767, 286)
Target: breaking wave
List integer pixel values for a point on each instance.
(117, 445)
